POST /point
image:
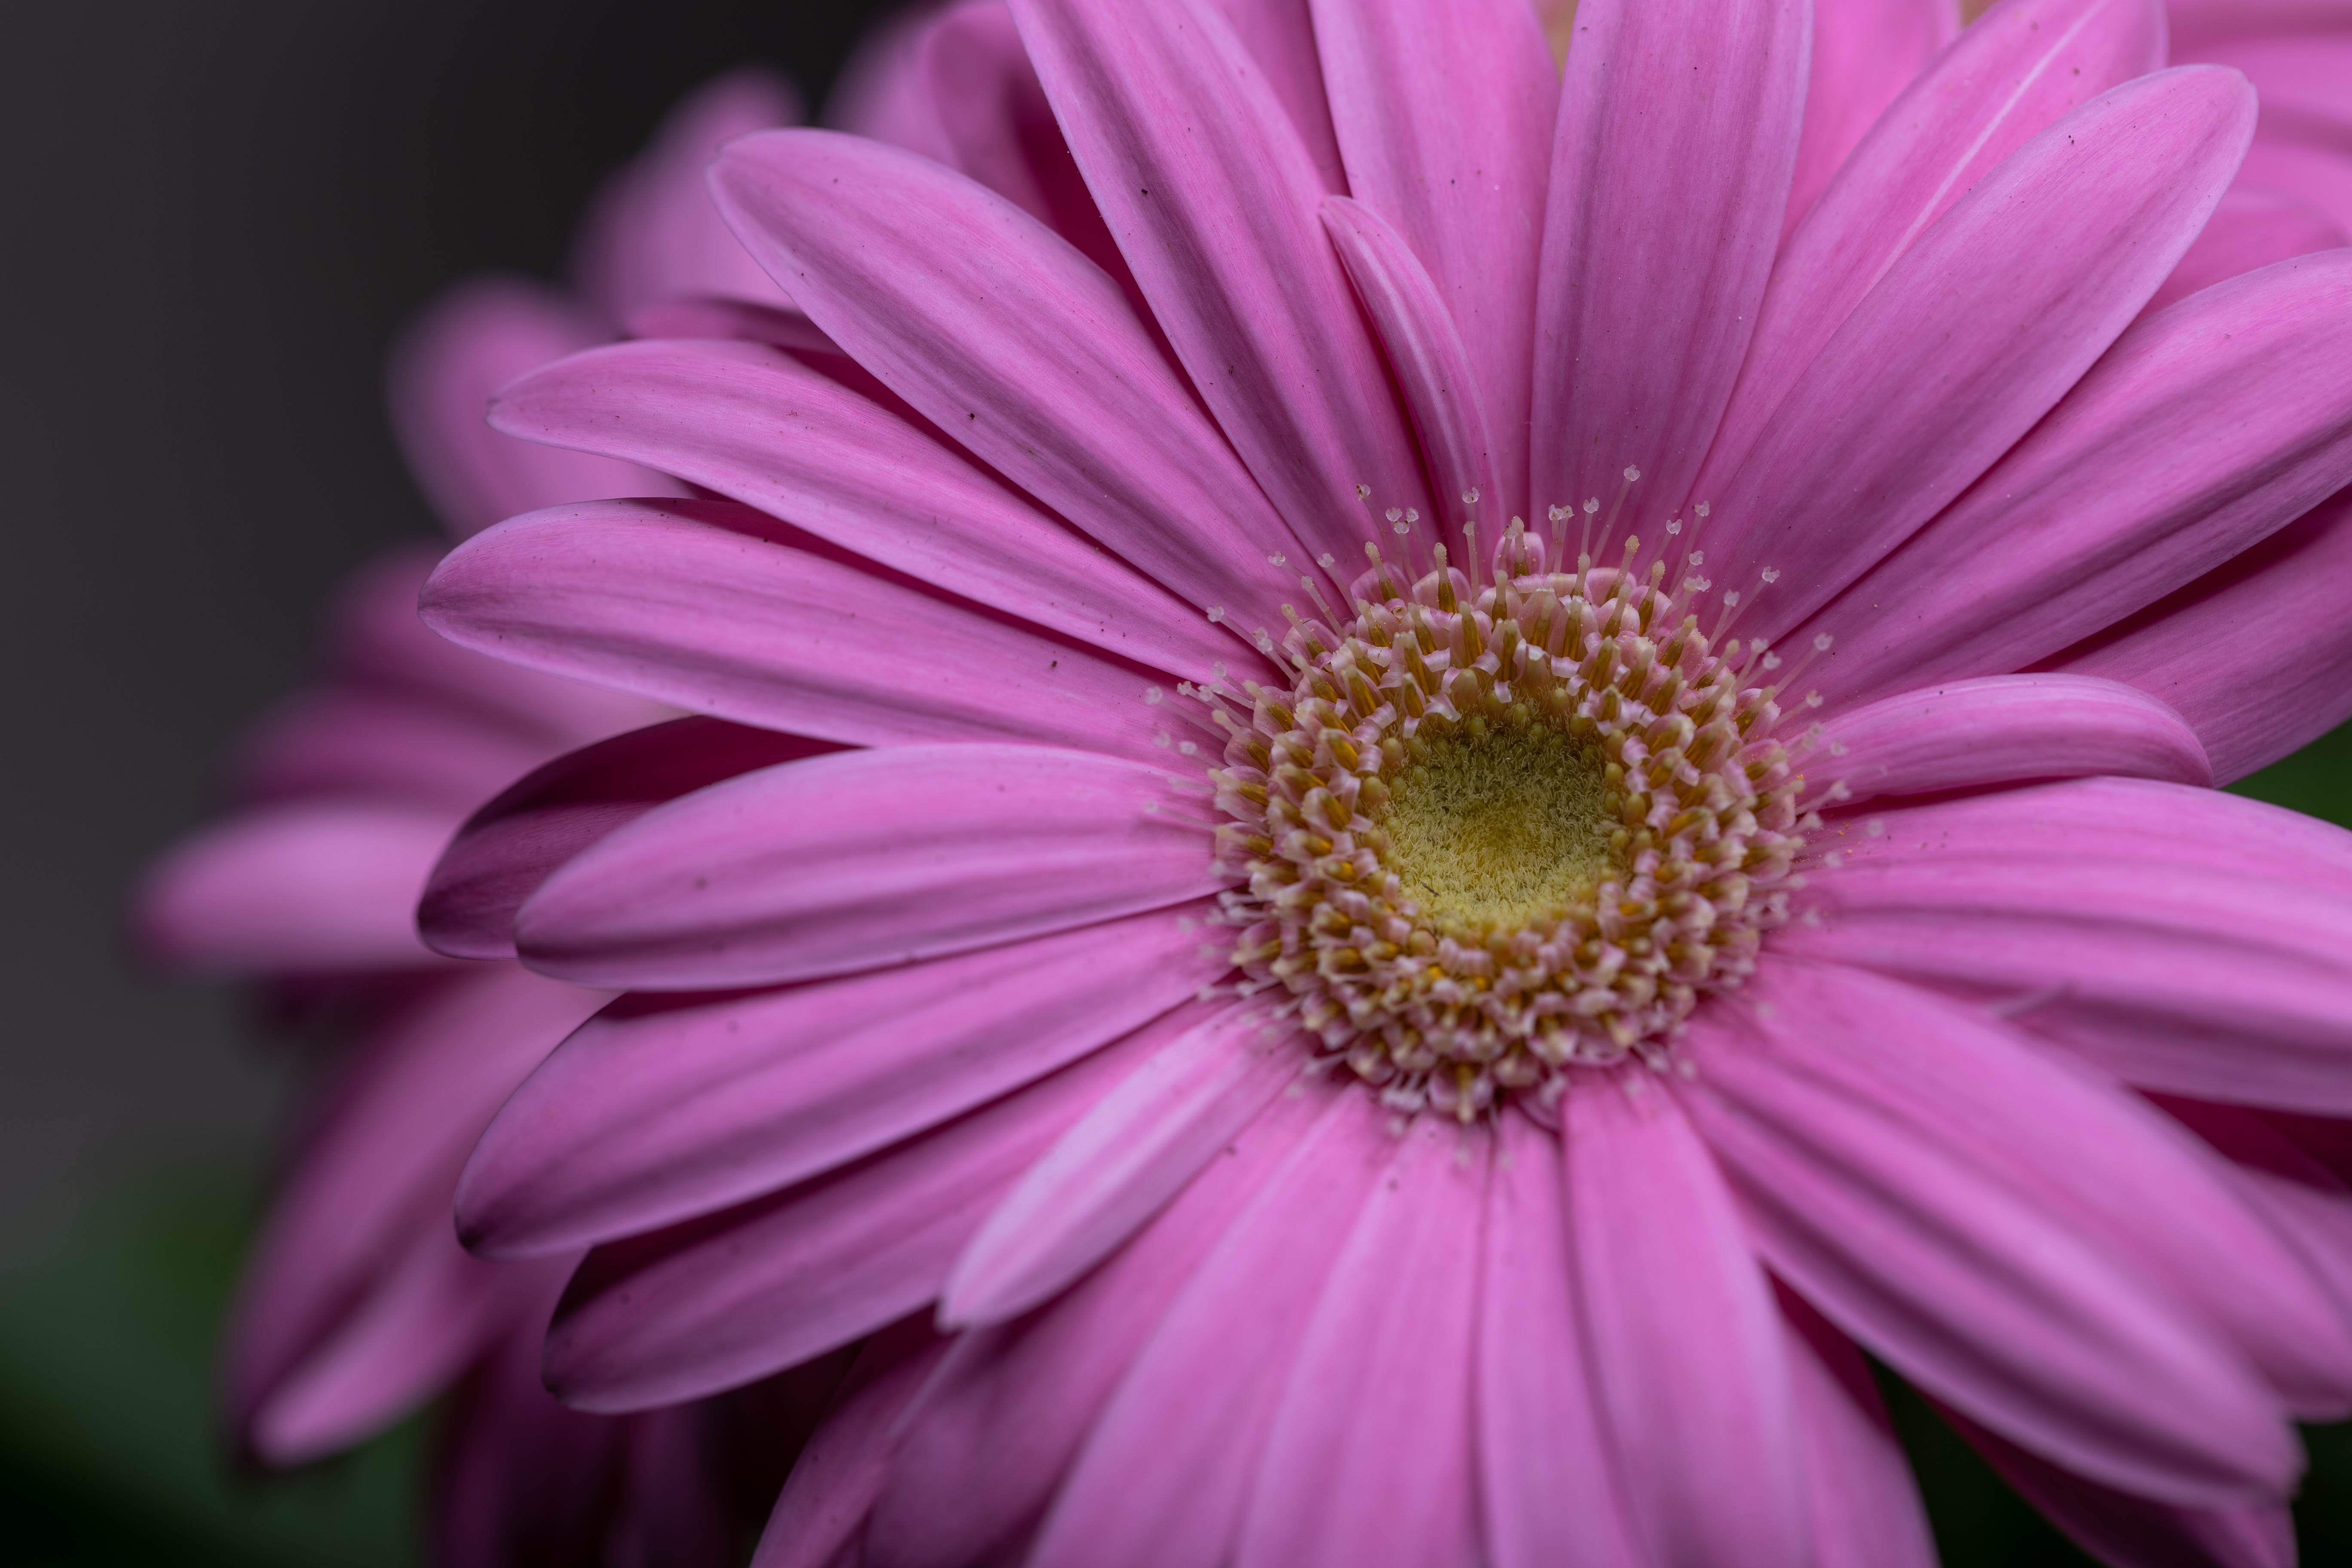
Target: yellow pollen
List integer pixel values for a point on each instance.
(1503, 829)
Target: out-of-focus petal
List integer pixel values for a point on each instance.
(822, 1511)
(2252, 227)
(1865, 1506)
(1864, 53)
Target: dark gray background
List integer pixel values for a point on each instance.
(216, 216)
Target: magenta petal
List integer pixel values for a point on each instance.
(1165, 1474)
(1547, 1479)
(1864, 52)
(863, 859)
(1938, 1204)
(2252, 227)
(1678, 126)
(2017, 68)
(2185, 941)
(344, 739)
(512, 845)
(2003, 729)
(1138, 1146)
(2203, 430)
(1686, 1349)
(755, 424)
(1980, 327)
(727, 1300)
(690, 603)
(652, 1114)
(1444, 111)
(823, 1508)
(1279, 38)
(1865, 1506)
(1212, 200)
(701, 316)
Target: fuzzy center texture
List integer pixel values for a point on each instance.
(1500, 826)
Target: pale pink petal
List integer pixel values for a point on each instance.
(1165, 1474)
(2185, 941)
(2212, 649)
(1939, 1204)
(863, 859)
(729, 1298)
(510, 846)
(997, 1428)
(698, 603)
(1687, 1351)
(2252, 227)
(2199, 26)
(996, 329)
(884, 93)
(2298, 1195)
(1431, 364)
(1987, 319)
(2003, 728)
(2321, 176)
(1678, 126)
(1549, 1488)
(1864, 1504)
(2203, 430)
(299, 887)
(1125, 1159)
(1444, 114)
(823, 1508)
(703, 316)
(381, 742)
(754, 424)
(1279, 36)
(652, 1114)
(462, 348)
(2017, 68)
(1213, 199)
(1864, 53)
(1367, 1461)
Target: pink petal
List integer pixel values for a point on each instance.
(345, 739)
(1444, 114)
(2252, 227)
(1140, 1146)
(2198, 650)
(1548, 1488)
(510, 846)
(300, 888)
(1165, 1474)
(652, 1114)
(1367, 1461)
(697, 603)
(1213, 199)
(1985, 322)
(1686, 1349)
(730, 1297)
(2199, 26)
(1279, 39)
(703, 316)
(2185, 941)
(1936, 1202)
(2008, 76)
(994, 329)
(1678, 126)
(863, 859)
(2202, 431)
(755, 424)
(1864, 53)
(2001, 729)
(998, 1427)
(1866, 1509)
(831, 1486)
(463, 347)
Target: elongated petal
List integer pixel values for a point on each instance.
(1138, 1146)
(693, 603)
(1549, 1485)
(1213, 199)
(832, 1486)
(700, 316)
(1980, 327)
(2004, 728)
(1444, 114)
(2252, 227)
(1864, 53)
(1686, 1348)
(510, 846)
(996, 329)
(650, 1115)
(342, 739)
(1936, 1202)
(2184, 941)
(2018, 67)
(755, 424)
(1864, 1507)
(1165, 1474)
(863, 859)
(1368, 1458)
(997, 1428)
(1278, 36)
(729, 1298)
(1678, 126)
(2193, 649)
(2205, 429)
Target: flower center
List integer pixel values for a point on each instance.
(1488, 835)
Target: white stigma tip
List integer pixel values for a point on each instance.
(1822, 643)
(1217, 614)
(1153, 694)
(1698, 558)
(1592, 505)
(1395, 512)
(1559, 514)
(1632, 474)
(1673, 526)
(1770, 575)
(1701, 508)
(1329, 562)
(1470, 495)
(1363, 492)
(1731, 599)
(1413, 514)
(1277, 559)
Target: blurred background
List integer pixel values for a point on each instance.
(222, 215)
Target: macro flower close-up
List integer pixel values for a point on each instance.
(1366, 782)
